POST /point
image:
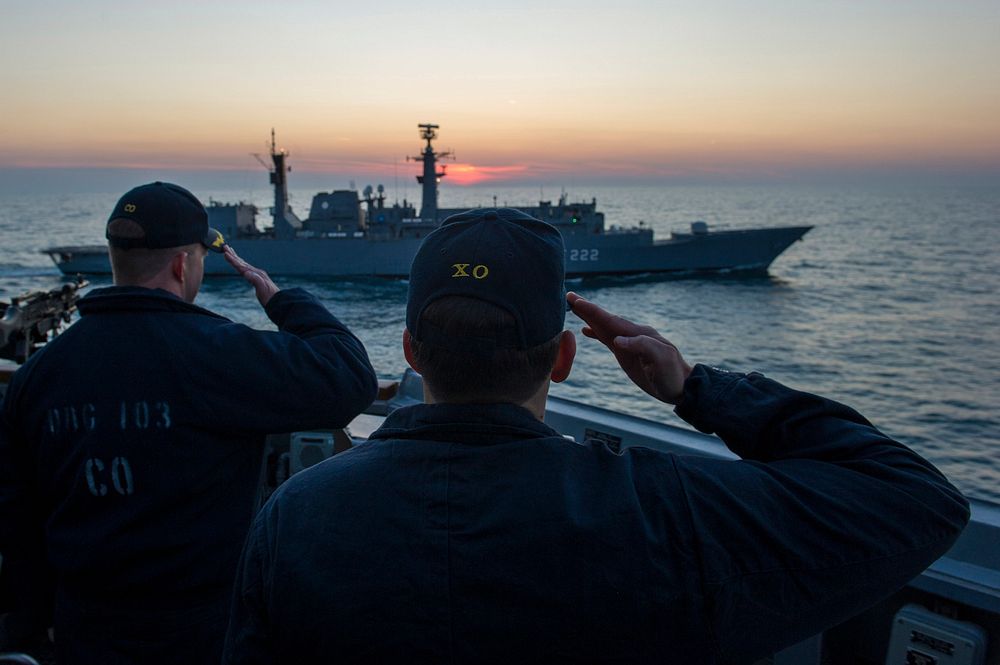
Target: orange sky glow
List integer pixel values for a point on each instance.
(640, 90)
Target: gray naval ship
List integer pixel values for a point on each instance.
(347, 235)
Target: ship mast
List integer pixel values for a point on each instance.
(431, 176)
(285, 221)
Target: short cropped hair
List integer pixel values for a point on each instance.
(137, 264)
(453, 375)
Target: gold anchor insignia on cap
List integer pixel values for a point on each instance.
(129, 207)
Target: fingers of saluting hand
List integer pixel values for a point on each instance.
(650, 361)
(235, 261)
(258, 278)
(645, 347)
(602, 325)
(242, 267)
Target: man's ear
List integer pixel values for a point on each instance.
(408, 351)
(178, 266)
(564, 359)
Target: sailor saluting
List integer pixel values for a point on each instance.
(493, 539)
(130, 446)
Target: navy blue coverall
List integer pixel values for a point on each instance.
(477, 534)
(130, 458)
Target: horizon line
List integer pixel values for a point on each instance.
(76, 179)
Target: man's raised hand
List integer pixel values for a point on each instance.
(258, 278)
(650, 361)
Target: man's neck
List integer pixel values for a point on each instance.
(157, 283)
(535, 404)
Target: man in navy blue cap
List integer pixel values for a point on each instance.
(467, 531)
(131, 445)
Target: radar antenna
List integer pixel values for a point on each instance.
(428, 132)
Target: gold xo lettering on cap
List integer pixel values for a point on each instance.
(129, 207)
(462, 270)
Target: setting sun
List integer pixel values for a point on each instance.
(467, 174)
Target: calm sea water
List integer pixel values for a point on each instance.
(891, 304)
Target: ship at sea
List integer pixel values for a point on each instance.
(347, 235)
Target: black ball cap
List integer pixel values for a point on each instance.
(502, 256)
(170, 216)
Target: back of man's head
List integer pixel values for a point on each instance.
(149, 224)
(487, 305)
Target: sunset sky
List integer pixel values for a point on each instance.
(522, 90)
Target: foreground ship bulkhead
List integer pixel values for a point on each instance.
(347, 235)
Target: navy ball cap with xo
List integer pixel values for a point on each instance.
(501, 256)
(169, 215)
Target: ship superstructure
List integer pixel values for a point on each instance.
(350, 235)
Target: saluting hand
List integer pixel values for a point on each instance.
(258, 278)
(649, 360)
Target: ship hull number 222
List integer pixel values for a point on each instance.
(583, 255)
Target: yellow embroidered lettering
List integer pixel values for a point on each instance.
(460, 269)
(480, 272)
(129, 207)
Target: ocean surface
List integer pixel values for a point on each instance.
(891, 304)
